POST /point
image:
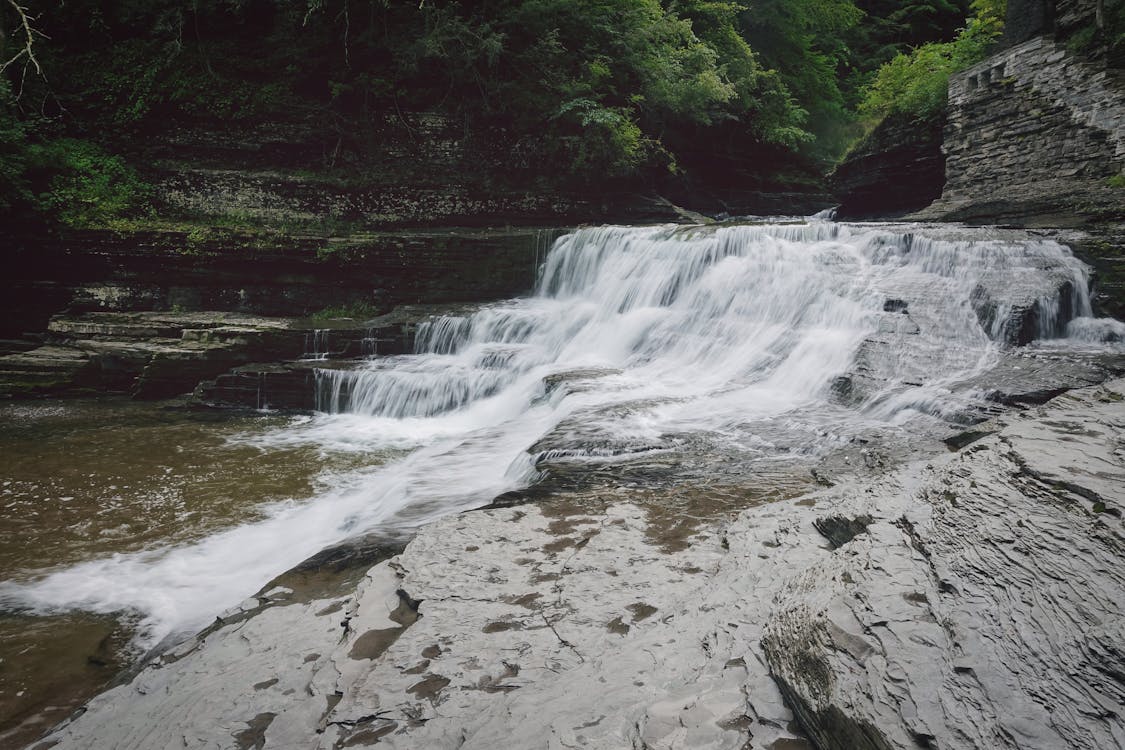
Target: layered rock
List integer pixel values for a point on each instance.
(1034, 135)
(412, 169)
(155, 313)
(974, 601)
(293, 385)
(271, 273)
(151, 355)
(981, 606)
(895, 169)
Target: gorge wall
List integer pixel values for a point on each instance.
(1034, 135)
(154, 312)
(895, 169)
(414, 169)
(421, 169)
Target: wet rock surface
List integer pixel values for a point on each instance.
(148, 354)
(128, 298)
(230, 359)
(983, 605)
(332, 344)
(971, 601)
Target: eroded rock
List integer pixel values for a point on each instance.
(983, 608)
(980, 607)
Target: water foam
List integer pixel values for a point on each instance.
(702, 329)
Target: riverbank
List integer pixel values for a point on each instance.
(830, 603)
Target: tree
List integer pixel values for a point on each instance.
(25, 36)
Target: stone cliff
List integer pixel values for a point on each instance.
(155, 312)
(1033, 135)
(895, 169)
(414, 169)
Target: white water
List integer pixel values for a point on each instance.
(316, 344)
(712, 331)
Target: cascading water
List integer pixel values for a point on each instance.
(369, 344)
(317, 344)
(672, 331)
(691, 312)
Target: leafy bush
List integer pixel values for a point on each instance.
(916, 84)
(79, 184)
(13, 152)
(602, 80)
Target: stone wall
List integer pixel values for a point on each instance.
(1034, 135)
(413, 169)
(259, 273)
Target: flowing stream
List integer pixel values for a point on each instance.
(747, 335)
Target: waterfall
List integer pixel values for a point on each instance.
(369, 344)
(759, 341)
(317, 343)
(697, 311)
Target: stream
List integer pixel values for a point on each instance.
(703, 351)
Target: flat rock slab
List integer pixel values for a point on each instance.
(983, 606)
(975, 601)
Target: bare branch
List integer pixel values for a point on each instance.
(29, 33)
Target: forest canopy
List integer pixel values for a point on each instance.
(613, 88)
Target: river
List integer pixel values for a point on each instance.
(768, 346)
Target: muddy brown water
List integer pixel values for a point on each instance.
(83, 479)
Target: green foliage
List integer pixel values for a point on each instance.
(81, 185)
(601, 79)
(805, 41)
(890, 28)
(604, 139)
(13, 152)
(916, 84)
(597, 89)
(603, 83)
(354, 311)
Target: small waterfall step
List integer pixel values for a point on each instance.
(330, 349)
(288, 386)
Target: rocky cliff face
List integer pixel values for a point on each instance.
(418, 169)
(1035, 135)
(896, 169)
(153, 313)
(415, 169)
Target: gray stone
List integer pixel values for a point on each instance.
(980, 606)
(983, 607)
(1033, 134)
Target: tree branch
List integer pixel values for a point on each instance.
(29, 33)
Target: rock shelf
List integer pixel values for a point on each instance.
(975, 602)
